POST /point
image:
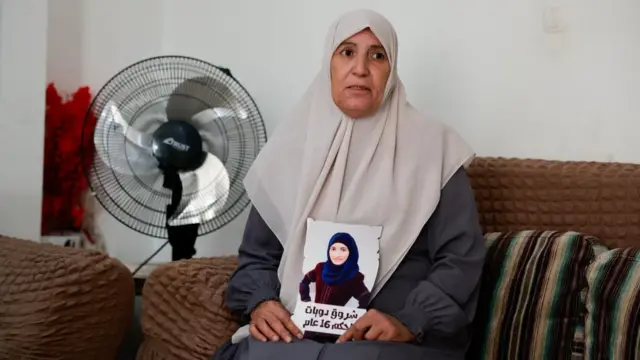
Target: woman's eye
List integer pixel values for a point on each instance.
(378, 56)
(347, 52)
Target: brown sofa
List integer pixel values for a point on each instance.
(61, 303)
(183, 314)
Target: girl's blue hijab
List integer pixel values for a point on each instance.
(336, 275)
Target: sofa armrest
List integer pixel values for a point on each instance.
(61, 303)
(183, 307)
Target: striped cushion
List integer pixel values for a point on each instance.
(613, 305)
(530, 305)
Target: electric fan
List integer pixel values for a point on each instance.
(173, 139)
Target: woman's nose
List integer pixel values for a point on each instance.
(361, 66)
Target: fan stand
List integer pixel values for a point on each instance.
(178, 147)
(182, 238)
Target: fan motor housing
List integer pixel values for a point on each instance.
(178, 145)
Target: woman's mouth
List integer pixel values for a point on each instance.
(358, 88)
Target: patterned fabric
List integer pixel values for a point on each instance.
(613, 305)
(600, 199)
(530, 301)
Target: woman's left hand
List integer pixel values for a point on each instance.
(375, 325)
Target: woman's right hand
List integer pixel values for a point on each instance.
(271, 321)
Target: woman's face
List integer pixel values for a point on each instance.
(338, 253)
(359, 72)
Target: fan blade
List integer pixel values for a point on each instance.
(212, 125)
(115, 123)
(133, 135)
(205, 193)
(211, 115)
(122, 147)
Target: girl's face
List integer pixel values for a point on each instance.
(338, 253)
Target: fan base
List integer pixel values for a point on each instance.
(183, 240)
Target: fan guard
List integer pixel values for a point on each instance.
(128, 182)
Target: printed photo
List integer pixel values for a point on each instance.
(340, 268)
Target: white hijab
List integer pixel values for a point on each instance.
(386, 170)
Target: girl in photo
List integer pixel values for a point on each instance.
(339, 278)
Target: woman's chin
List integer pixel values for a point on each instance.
(357, 108)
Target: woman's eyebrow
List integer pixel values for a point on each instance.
(347, 43)
(371, 47)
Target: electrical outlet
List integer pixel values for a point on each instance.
(71, 240)
(554, 19)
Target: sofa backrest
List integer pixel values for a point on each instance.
(599, 199)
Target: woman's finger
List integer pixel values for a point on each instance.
(347, 335)
(266, 330)
(360, 327)
(285, 318)
(256, 334)
(357, 330)
(374, 333)
(293, 329)
(276, 324)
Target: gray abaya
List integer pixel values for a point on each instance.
(433, 292)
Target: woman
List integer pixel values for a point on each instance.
(355, 151)
(339, 278)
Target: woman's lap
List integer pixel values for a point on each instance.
(250, 349)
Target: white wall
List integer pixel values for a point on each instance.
(489, 68)
(23, 47)
(89, 41)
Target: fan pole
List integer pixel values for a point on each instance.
(182, 238)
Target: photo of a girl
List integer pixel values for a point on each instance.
(338, 279)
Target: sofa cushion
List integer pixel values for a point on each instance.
(530, 299)
(613, 306)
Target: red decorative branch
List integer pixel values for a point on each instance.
(64, 183)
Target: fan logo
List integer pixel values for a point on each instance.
(176, 145)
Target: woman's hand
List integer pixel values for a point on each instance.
(375, 325)
(271, 321)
